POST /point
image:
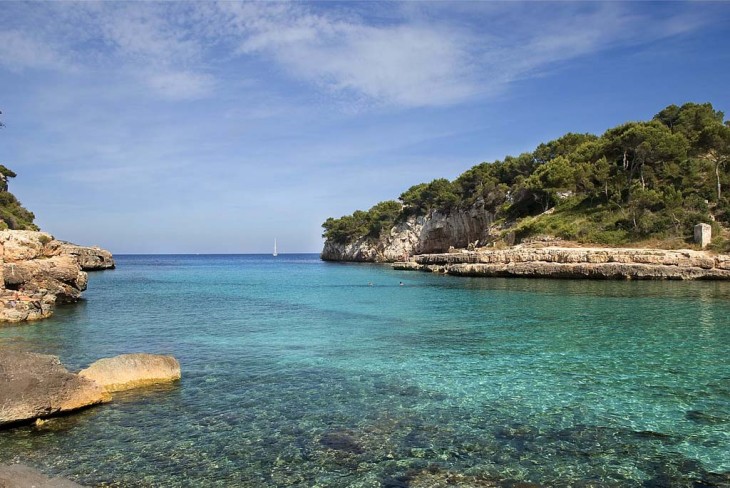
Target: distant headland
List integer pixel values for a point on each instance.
(643, 185)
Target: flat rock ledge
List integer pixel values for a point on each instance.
(21, 476)
(34, 386)
(130, 371)
(589, 263)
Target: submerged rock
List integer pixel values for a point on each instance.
(341, 441)
(37, 385)
(20, 476)
(132, 371)
(443, 479)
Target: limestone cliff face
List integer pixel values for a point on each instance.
(433, 233)
(37, 272)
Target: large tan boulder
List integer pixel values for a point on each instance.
(132, 371)
(37, 386)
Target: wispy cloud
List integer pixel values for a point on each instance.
(19, 51)
(417, 55)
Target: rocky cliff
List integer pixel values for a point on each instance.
(561, 262)
(37, 272)
(433, 233)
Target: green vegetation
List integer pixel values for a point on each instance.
(12, 214)
(371, 224)
(639, 181)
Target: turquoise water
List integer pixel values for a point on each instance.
(297, 373)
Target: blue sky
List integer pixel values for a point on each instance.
(215, 127)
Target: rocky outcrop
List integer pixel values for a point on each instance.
(132, 371)
(37, 272)
(89, 258)
(433, 233)
(37, 386)
(594, 263)
(20, 476)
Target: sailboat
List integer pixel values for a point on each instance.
(275, 253)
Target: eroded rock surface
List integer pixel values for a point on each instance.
(37, 385)
(89, 258)
(132, 371)
(432, 233)
(595, 263)
(37, 272)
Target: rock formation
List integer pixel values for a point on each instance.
(433, 233)
(36, 386)
(132, 371)
(562, 262)
(38, 272)
(89, 258)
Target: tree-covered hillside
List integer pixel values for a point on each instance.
(637, 181)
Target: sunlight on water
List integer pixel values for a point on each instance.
(298, 373)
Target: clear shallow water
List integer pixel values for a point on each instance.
(297, 373)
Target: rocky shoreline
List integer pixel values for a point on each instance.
(569, 262)
(38, 272)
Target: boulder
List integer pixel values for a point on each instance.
(20, 476)
(37, 385)
(132, 371)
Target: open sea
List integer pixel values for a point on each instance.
(297, 372)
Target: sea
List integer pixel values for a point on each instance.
(299, 372)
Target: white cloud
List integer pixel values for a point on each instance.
(19, 52)
(180, 85)
(411, 55)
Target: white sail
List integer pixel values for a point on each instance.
(275, 253)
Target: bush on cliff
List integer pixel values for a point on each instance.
(380, 218)
(637, 181)
(12, 213)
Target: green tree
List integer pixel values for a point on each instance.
(716, 140)
(562, 146)
(551, 178)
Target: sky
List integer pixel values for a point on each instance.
(216, 127)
